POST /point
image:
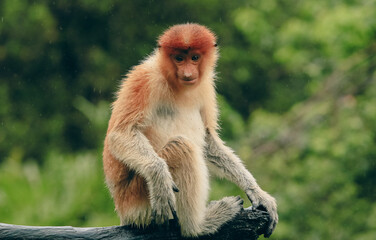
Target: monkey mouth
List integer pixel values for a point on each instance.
(189, 81)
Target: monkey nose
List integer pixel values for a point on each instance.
(187, 74)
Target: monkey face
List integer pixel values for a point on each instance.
(187, 67)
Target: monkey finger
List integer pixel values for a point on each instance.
(165, 225)
(153, 217)
(270, 230)
(157, 217)
(251, 208)
(240, 200)
(268, 234)
(262, 208)
(153, 224)
(162, 227)
(174, 187)
(273, 220)
(255, 202)
(174, 215)
(250, 196)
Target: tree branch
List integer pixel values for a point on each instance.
(248, 224)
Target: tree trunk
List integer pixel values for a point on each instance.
(248, 224)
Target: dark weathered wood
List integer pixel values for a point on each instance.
(249, 224)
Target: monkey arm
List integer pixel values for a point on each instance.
(223, 161)
(132, 148)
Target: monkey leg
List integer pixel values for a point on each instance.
(190, 174)
(220, 212)
(129, 192)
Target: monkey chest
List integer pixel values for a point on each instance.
(168, 122)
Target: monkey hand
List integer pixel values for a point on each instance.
(163, 200)
(261, 200)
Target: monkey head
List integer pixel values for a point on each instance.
(188, 50)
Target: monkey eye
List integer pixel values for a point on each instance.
(179, 58)
(195, 57)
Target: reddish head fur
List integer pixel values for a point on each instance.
(183, 40)
(187, 37)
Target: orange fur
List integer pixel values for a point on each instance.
(132, 98)
(126, 193)
(128, 110)
(187, 36)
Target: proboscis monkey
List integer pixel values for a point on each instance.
(162, 139)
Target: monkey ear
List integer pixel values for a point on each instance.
(215, 44)
(159, 46)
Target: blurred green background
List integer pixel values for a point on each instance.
(297, 93)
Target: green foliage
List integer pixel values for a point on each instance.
(297, 93)
(319, 159)
(232, 120)
(66, 190)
